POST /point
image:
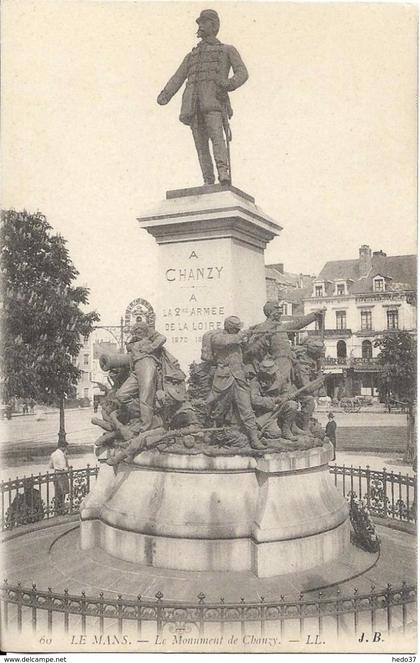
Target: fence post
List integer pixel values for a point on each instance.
(201, 598)
(372, 601)
(50, 610)
(222, 616)
(6, 603)
(138, 612)
(19, 607)
(384, 482)
(337, 614)
(159, 597)
(48, 493)
(33, 604)
(281, 613)
(83, 611)
(2, 506)
(368, 486)
(88, 478)
(66, 610)
(262, 617)
(355, 611)
(242, 619)
(71, 488)
(388, 598)
(301, 619)
(320, 624)
(404, 595)
(119, 612)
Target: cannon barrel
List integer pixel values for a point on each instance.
(109, 361)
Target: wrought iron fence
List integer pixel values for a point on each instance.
(37, 497)
(386, 493)
(49, 612)
(33, 498)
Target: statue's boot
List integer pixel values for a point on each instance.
(286, 433)
(254, 441)
(106, 425)
(146, 416)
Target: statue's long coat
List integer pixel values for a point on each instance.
(203, 68)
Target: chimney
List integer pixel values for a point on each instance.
(379, 253)
(365, 260)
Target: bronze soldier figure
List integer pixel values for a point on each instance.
(270, 338)
(269, 393)
(230, 389)
(144, 348)
(307, 369)
(205, 102)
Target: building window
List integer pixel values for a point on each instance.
(341, 350)
(366, 319)
(86, 360)
(392, 319)
(367, 350)
(340, 320)
(86, 393)
(378, 285)
(341, 289)
(318, 291)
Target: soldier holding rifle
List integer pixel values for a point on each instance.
(271, 338)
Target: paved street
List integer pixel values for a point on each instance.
(25, 431)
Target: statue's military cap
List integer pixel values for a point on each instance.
(209, 14)
(267, 366)
(232, 321)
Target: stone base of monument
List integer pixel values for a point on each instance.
(277, 514)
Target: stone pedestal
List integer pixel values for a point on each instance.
(275, 515)
(211, 263)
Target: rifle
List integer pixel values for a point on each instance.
(311, 386)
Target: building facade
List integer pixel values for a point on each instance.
(364, 298)
(88, 363)
(287, 288)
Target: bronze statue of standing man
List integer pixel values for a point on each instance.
(205, 102)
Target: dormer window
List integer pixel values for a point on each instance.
(319, 290)
(379, 284)
(340, 288)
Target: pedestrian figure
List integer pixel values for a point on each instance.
(60, 465)
(27, 507)
(330, 431)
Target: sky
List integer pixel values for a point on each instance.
(324, 130)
